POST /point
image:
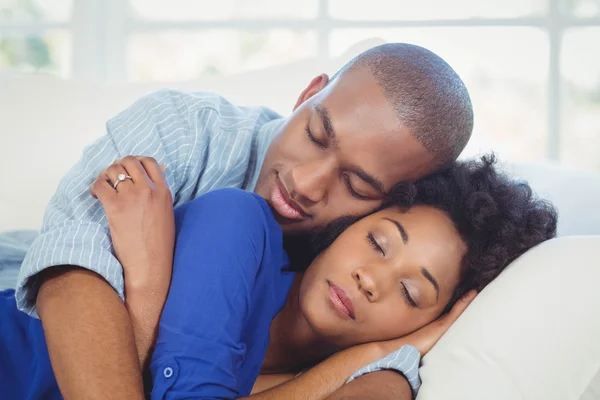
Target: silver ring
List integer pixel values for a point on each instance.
(120, 179)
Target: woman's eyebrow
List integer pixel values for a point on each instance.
(401, 229)
(433, 281)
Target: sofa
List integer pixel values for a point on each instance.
(534, 333)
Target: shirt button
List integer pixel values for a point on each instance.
(168, 372)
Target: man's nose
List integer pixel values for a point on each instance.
(310, 181)
(366, 283)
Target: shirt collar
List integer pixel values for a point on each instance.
(266, 134)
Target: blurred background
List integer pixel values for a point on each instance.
(532, 66)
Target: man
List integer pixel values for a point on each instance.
(395, 113)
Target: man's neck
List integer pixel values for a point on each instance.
(293, 344)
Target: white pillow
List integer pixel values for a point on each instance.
(532, 334)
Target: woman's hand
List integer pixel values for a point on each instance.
(426, 337)
(141, 220)
(326, 377)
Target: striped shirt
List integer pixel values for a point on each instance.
(206, 142)
(13, 247)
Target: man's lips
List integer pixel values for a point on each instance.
(284, 205)
(341, 302)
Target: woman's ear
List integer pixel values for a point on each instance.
(314, 87)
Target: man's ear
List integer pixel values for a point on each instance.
(314, 87)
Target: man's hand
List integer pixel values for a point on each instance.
(139, 210)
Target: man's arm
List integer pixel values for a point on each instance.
(328, 379)
(380, 385)
(329, 376)
(89, 336)
(85, 321)
(325, 378)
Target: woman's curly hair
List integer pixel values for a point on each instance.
(497, 217)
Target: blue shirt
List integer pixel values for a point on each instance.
(25, 370)
(206, 142)
(229, 281)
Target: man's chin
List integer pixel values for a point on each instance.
(291, 227)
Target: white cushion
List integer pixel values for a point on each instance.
(533, 334)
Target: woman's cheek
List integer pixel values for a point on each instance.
(392, 324)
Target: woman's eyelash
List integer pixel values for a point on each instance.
(407, 296)
(374, 244)
(313, 139)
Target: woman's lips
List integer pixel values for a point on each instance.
(341, 302)
(283, 207)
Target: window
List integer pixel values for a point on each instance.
(530, 65)
(35, 35)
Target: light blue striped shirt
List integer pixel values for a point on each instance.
(206, 142)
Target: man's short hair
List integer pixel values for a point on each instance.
(429, 97)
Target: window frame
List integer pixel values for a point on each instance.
(100, 54)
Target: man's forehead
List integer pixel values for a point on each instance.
(353, 113)
(389, 155)
(368, 132)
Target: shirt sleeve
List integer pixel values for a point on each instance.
(75, 230)
(220, 240)
(405, 361)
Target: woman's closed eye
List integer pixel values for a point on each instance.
(408, 297)
(374, 244)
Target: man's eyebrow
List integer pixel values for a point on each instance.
(324, 115)
(431, 279)
(362, 174)
(401, 229)
(370, 179)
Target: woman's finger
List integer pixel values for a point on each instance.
(154, 171)
(95, 185)
(103, 190)
(102, 174)
(113, 172)
(134, 169)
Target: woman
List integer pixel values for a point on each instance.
(235, 309)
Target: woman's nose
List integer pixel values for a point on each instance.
(366, 283)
